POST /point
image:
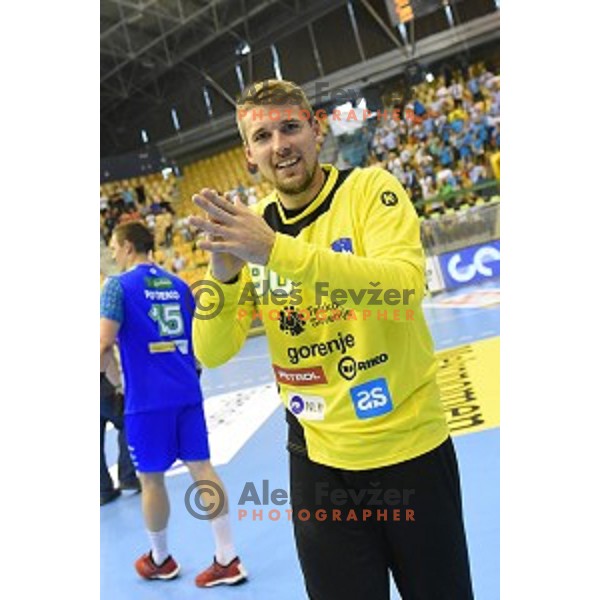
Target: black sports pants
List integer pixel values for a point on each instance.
(347, 559)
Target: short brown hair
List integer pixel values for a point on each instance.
(270, 91)
(137, 233)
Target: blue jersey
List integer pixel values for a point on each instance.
(155, 310)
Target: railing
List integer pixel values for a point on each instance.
(468, 226)
(486, 190)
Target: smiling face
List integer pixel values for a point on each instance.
(283, 143)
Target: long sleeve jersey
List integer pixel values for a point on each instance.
(340, 299)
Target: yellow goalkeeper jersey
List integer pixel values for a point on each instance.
(340, 299)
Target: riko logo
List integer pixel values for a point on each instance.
(297, 377)
(309, 408)
(371, 399)
(481, 259)
(291, 321)
(348, 368)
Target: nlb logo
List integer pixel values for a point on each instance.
(309, 408)
(371, 399)
(296, 405)
(306, 376)
(481, 263)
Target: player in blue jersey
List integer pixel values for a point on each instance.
(148, 312)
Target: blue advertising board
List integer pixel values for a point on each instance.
(471, 265)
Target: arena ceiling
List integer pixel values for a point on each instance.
(160, 55)
(143, 40)
(140, 40)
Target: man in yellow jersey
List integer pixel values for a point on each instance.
(338, 272)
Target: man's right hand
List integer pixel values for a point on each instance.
(223, 266)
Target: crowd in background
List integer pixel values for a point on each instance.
(450, 130)
(125, 205)
(447, 141)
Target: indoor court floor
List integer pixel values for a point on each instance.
(247, 432)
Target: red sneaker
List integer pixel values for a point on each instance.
(148, 569)
(218, 574)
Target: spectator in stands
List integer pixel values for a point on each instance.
(105, 231)
(128, 196)
(474, 87)
(390, 141)
(379, 147)
(131, 214)
(454, 125)
(178, 263)
(446, 156)
(111, 220)
(161, 227)
(456, 90)
(457, 117)
(428, 186)
(155, 207)
(183, 228)
(394, 166)
(475, 173)
(143, 209)
(168, 228)
(405, 155)
(151, 221)
(442, 92)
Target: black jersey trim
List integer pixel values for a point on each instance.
(273, 217)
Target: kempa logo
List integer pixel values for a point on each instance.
(349, 368)
(339, 344)
(389, 198)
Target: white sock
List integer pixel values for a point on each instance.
(158, 541)
(225, 549)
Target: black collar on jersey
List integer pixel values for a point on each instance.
(292, 224)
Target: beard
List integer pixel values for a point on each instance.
(296, 187)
